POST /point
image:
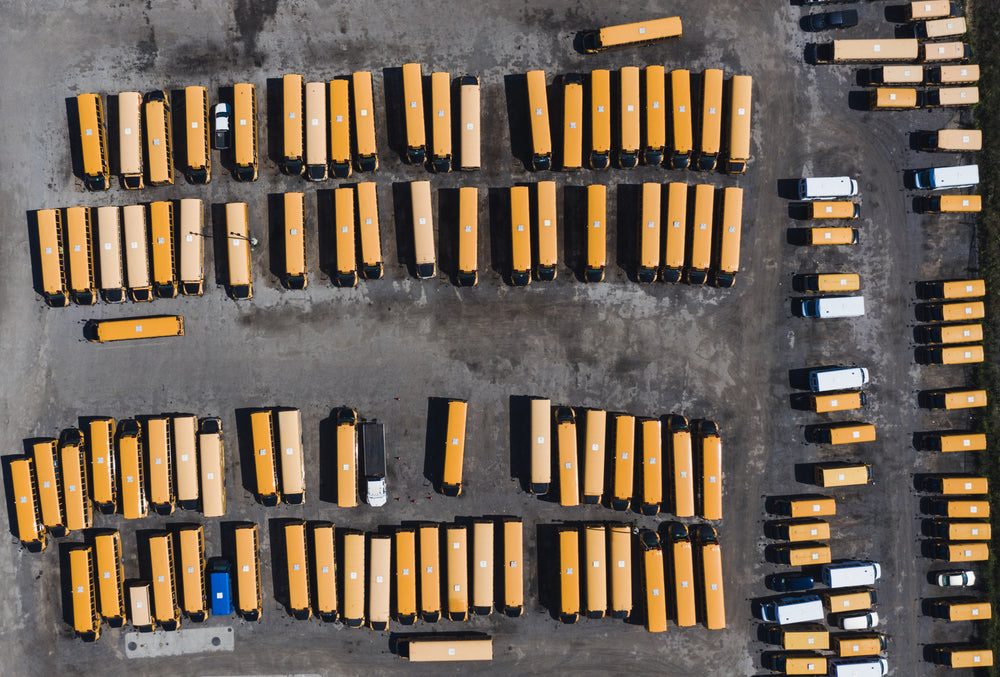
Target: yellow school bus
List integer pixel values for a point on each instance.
(938, 52)
(371, 244)
(547, 236)
(513, 578)
(130, 164)
(469, 120)
(347, 270)
(93, 142)
(364, 121)
(729, 237)
(457, 580)
(245, 131)
(103, 480)
(683, 138)
(198, 161)
(159, 139)
(711, 118)
(600, 119)
(161, 218)
(628, 150)
(597, 241)
(572, 155)
(961, 74)
(140, 286)
(423, 229)
(541, 445)
(240, 273)
(315, 129)
(713, 604)
(881, 50)
(340, 129)
(739, 124)
(683, 569)
(140, 609)
(620, 562)
(454, 451)
(133, 494)
(185, 445)
(656, 115)
(297, 570)
(265, 463)
(249, 598)
(293, 471)
(378, 581)
(468, 236)
(482, 567)
(159, 326)
(653, 581)
(405, 541)
(292, 161)
(701, 234)
(623, 464)
(325, 570)
(633, 34)
(595, 423)
(520, 237)
(50, 496)
(538, 111)
(710, 455)
(212, 466)
(294, 212)
(110, 576)
(347, 458)
(413, 102)
(569, 575)
(109, 254)
(430, 573)
(652, 467)
(159, 456)
(191, 565)
(82, 286)
(441, 122)
(595, 556)
(649, 233)
(163, 575)
(73, 475)
(928, 9)
(82, 596)
(569, 478)
(28, 511)
(50, 255)
(892, 98)
(676, 227)
(191, 247)
(442, 647)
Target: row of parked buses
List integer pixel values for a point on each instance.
(276, 443)
(888, 50)
(612, 475)
(952, 337)
(642, 128)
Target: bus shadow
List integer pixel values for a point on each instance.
(499, 210)
(273, 95)
(178, 131)
(279, 560)
(547, 567)
(448, 231)
(325, 231)
(8, 483)
(34, 249)
(66, 582)
(75, 147)
(392, 82)
(435, 441)
(112, 118)
(627, 235)
(574, 229)
(328, 458)
(244, 439)
(220, 239)
(519, 426)
(276, 234)
(402, 204)
(518, 117)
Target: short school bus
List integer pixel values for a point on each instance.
(50, 254)
(198, 158)
(160, 326)
(325, 570)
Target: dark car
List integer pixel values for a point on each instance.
(789, 582)
(828, 20)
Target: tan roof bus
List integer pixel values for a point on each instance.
(623, 464)
(297, 570)
(840, 474)
(681, 466)
(291, 124)
(569, 575)
(930, 9)
(454, 451)
(430, 573)
(887, 98)
(413, 101)
(405, 607)
(711, 118)
(513, 560)
(163, 574)
(140, 608)
(110, 576)
(713, 603)
(600, 119)
(803, 506)
(50, 495)
(520, 237)
(546, 225)
(191, 565)
(960, 552)
(140, 286)
(653, 582)
(946, 507)
(729, 237)
(633, 34)
(469, 139)
(858, 644)
(109, 254)
(371, 245)
(133, 494)
(296, 273)
(265, 462)
(185, 446)
(364, 121)
(212, 466)
(955, 484)
(595, 557)
(954, 399)
(93, 142)
(799, 530)
(572, 154)
(482, 567)
(683, 570)
(954, 355)
(538, 112)
(961, 74)
(28, 511)
(380, 548)
(159, 140)
(812, 636)
(656, 116)
(347, 458)
(468, 236)
(954, 312)
(198, 160)
(804, 663)
(937, 52)
(73, 475)
(847, 401)
(951, 96)
(597, 242)
(325, 570)
(249, 597)
(240, 278)
(441, 122)
(676, 227)
(710, 460)
(82, 286)
(293, 471)
(960, 530)
(652, 467)
(951, 140)
(315, 128)
(844, 433)
(100, 434)
(435, 647)
(50, 255)
(879, 50)
(130, 164)
(803, 554)
(245, 131)
(701, 234)
(161, 218)
(962, 656)
(628, 149)
(191, 247)
(683, 137)
(895, 75)
(159, 457)
(936, 29)
(595, 427)
(340, 130)
(620, 563)
(832, 236)
(457, 560)
(961, 609)
(569, 479)
(831, 282)
(739, 124)
(649, 233)
(83, 597)
(541, 445)
(834, 210)
(423, 229)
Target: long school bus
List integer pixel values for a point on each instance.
(652, 466)
(546, 230)
(100, 445)
(572, 154)
(441, 122)
(161, 219)
(140, 286)
(430, 573)
(538, 111)
(700, 255)
(633, 34)
(325, 571)
(623, 463)
(159, 459)
(628, 149)
(413, 102)
(265, 463)
(882, 50)
(340, 128)
(240, 273)
(728, 248)
(28, 511)
(597, 240)
(315, 129)
(649, 233)
(620, 562)
(296, 275)
(380, 548)
(347, 458)
(46, 464)
(469, 116)
(198, 160)
(468, 236)
(676, 227)
(681, 466)
(93, 142)
(353, 613)
(595, 423)
(364, 121)
(711, 118)
(293, 470)
(191, 247)
(82, 287)
(130, 164)
(595, 557)
(405, 541)
(73, 475)
(454, 450)
(513, 578)
(245, 131)
(569, 477)
(133, 494)
(86, 618)
(441, 647)
(163, 576)
(541, 445)
(482, 567)
(159, 326)
(292, 160)
(520, 237)
(600, 119)
(248, 590)
(347, 269)
(297, 570)
(159, 139)
(191, 565)
(110, 576)
(50, 255)
(457, 578)
(569, 575)
(739, 124)
(656, 115)
(423, 229)
(109, 254)
(184, 429)
(212, 466)
(683, 570)
(653, 582)
(710, 459)
(683, 138)
(371, 244)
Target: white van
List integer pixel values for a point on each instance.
(838, 378)
(858, 667)
(864, 621)
(827, 187)
(786, 610)
(850, 573)
(939, 178)
(833, 306)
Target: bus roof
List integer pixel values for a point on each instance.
(185, 449)
(245, 125)
(701, 228)
(629, 109)
(344, 204)
(469, 120)
(238, 244)
(732, 221)
(212, 471)
(595, 429)
(423, 223)
(569, 479)
(711, 476)
(340, 122)
(600, 110)
(538, 111)
(160, 459)
(620, 563)
(680, 85)
(138, 327)
(441, 114)
(513, 576)
(371, 246)
(712, 586)
(161, 235)
(379, 580)
(29, 523)
(739, 122)
(548, 254)
(595, 569)
(656, 108)
(265, 464)
(683, 569)
(406, 574)
(297, 568)
(446, 648)
(315, 123)
(520, 230)
(158, 143)
(413, 103)
(291, 117)
(136, 248)
(325, 569)
(457, 567)
(468, 229)
(50, 252)
(652, 462)
(79, 249)
(875, 50)
(541, 441)
(711, 110)
(430, 570)
(191, 565)
(130, 137)
(295, 233)
(624, 461)
(248, 594)
(293, 472)
(572, 156)
(482, 566)
(73, 475)
(109, 247)
(597, 213)
(364, 114)
(454, 444)
(191, 247)
(640, 32)
(196, 131)
(347, 462)
(676, 225)
(569, 573)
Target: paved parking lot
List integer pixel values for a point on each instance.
(387, 346)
